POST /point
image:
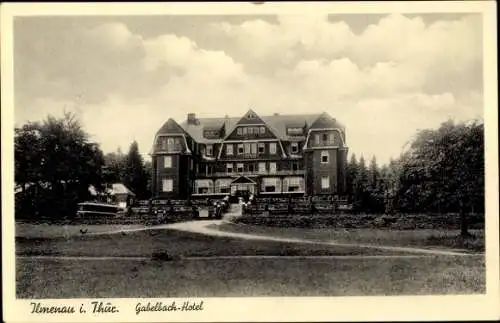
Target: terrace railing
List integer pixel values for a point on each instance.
(258, 173)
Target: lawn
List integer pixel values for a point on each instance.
(185, 276)
(406, 238)
(248, 277)
(176, 243)
(28, 230)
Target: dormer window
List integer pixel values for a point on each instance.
(295, 147)
(295, 131)
(211, 133)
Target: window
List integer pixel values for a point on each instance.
(210, 134)
(209, 170)
(272, 168)
(229, 168)
(295, 166)
(272, 148)
(167, 161)
(163, 144)
(240, 149)
(239, 168)
(295, 131)
(253, 148)
(294, 184)
(331, 139)
(270, 184)
(262, 168)
(222, 185)
(204, 186)
(250, 130)
(316, 140)
(262, 130)
(325, 137)
(324, 157)
(325, 182)
(191, 164)
(239, 131)
(261, 147)
(210, 150)
(295, 147)
(247, 147)
(229, 150)
(251, 168)
(167, 185)
(245, 131)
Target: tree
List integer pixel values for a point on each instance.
(444, 171)
(373, 173)
(55, 163)
(352, 168)
(360, 186)
(135, 176)
(115, 166)
(375, 188)
(148, 167)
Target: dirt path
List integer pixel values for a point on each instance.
(202, 227)
(206, 227)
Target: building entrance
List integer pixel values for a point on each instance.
(243, 187)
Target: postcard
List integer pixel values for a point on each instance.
(250, 161)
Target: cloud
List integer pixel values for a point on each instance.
(383, 83)
(440, 51)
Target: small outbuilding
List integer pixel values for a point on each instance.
(116, 193)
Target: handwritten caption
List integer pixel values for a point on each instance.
(97, 307)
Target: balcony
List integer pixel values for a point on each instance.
(276, 173)
(170, 149)
(249, 156)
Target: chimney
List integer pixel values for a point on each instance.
(191, 119)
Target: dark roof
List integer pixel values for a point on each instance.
(171, 126)
(196, 130)
(278, 123)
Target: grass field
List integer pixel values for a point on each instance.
(176, 243)
(408, 238)
(213, 276)
(245, 277)
(27, 230)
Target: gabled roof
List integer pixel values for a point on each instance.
(250, 118)
(278, 123)
(325, 121)
(243, 180)
(171, 126)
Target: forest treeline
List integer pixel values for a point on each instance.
(440, 171)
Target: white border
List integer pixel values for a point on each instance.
(268, 309)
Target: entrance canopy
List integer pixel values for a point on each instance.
(243, 180)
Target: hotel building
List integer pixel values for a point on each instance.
(252, 154)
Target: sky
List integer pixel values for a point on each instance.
(383, 76)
